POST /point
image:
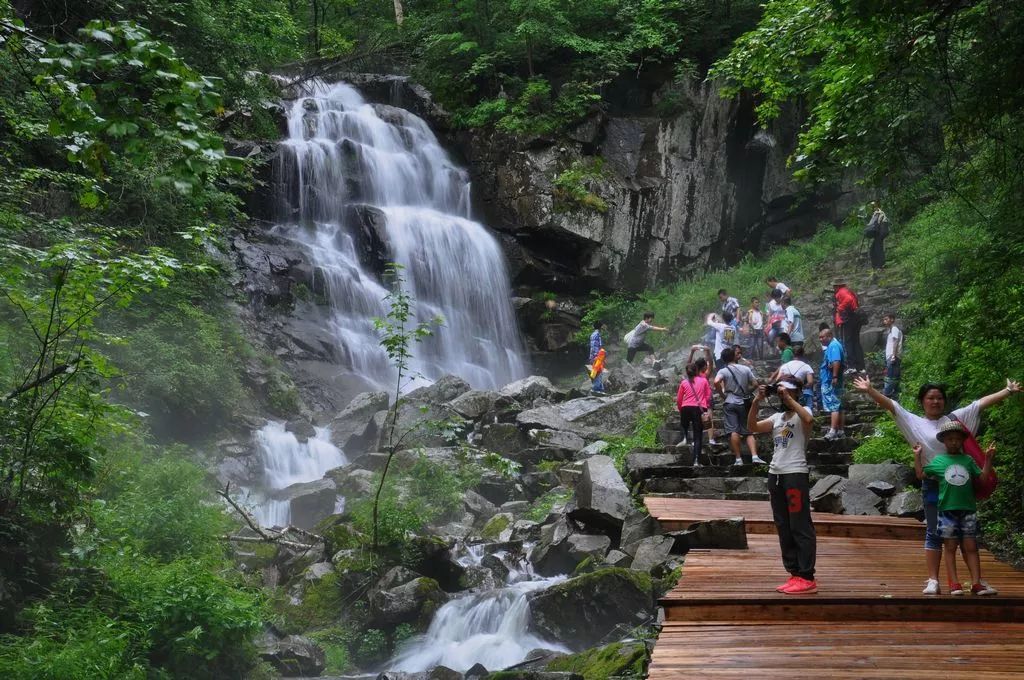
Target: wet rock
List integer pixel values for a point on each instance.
(602, 498)
(729, 534)
(528, 389)
(478, 505)
(568, 442)
(477, 672)
(444, 390)
(550, 556)
(354, 429)
(473, 404)
(432, 556)
(310, 501)
(582, 546)
(239, 471)
(883, 489)
(584, 611)
(515, 507)
(292, 656)
(651, 552)
(498, 527)
(414, 602)
(354, 482)
(900, 476)
(589, 417)
(617, 558)
(618, 660)
(636, 526)
(593, 449)
(499, 488)
(498, 568)
(906, 504)
(526, 531)
(396, 576)
(826, 494)
(503, 438)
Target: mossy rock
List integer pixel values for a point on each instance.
(495, 526)
(321, 605)
(617, 660)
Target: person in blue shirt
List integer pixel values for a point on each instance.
(831, 381)
(596, 343)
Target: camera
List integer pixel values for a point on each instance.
(771, 390)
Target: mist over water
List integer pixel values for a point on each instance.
(366, 184)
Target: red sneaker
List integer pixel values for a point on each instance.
(788, 584)
(955, 589)
(802, 587)
(983, 589)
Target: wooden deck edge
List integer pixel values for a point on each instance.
(814, 608)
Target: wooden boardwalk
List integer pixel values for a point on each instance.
(868, 620)
(679, 513)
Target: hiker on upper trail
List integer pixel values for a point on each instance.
(596, 352)
(693, 399)
(958, 519)
(877, 230)
(848, 323)
(726, 335)
(730, 305)
(775, 284)
(789, 485)
(922, 429)
(636, 338)
(794, 324)
(785, 351)
(736, 383)
(831, 381)
(755, 326)
(776, 316)
(893, 356)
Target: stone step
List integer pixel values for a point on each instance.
(727, 469)
(708, 487)
(741, 496)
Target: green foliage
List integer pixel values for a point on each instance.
(687, 302)
(573, 187)
(497, 524)
(543, 505)
(885, 445)
(645, 435)
(371, 647)
(334, 642)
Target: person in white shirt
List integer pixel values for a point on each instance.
(775, 284)
(793, 324)
(755, 324)
(725, 336)
(789, 485)
(636, 339)
(801, 374)
(893, 355)
(922, 430)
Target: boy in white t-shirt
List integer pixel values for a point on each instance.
(789, 485)
(755, 324)
(893, 356)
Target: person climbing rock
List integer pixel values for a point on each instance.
(789, 485)
(636, 338)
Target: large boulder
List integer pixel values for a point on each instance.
(602, 498)
(844, 496)
(473, 404)
(900, 476)
(503, 438)
(589, 417)
(906, 504)
(651, 552)
(583, 546)
(729, 534)
(550, 556)
(618, 660)
(826, 494)
(637, 525)
(566, 443)
(310, 502)
(584, 611)
(291, 656)
(414, 602)
(445, 389)
(528, 389)
(354, 430)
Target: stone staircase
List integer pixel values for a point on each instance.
(667, 470)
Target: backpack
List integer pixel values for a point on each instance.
(982, 489)
(859, 316)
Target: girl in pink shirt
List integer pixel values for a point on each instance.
(692, 400)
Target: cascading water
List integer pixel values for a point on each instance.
(287, 461)
(489, 628)
(367, 184)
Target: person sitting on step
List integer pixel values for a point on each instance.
(789, 485)
(958, 519)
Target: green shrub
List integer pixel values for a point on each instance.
(885, 444)
(573, 187)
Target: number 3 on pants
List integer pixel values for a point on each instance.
(796, 500)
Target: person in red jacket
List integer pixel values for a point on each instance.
(693, 399)
(848, 323)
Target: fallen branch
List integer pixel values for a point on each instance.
(257, 539)
(267, 535)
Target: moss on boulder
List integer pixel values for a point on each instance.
(617, 660)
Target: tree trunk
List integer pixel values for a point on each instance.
(399, 12)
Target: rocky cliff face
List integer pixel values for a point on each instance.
(699, 187)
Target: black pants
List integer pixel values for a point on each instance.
(849, 335)
(692, 427)
(877, 252)
(791, 508)
(642, 347)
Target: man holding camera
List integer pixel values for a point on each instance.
(735, 382)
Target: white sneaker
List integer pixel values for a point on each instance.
(758, 460)
(682, 444)
(738, 461)
(712, 442)
(831, 435)
(931, 588)
(696, 463)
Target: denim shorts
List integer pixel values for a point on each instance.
(958, 524)
(831, 398)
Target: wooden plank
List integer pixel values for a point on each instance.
(876, 649)
(676, 514)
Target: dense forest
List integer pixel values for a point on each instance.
(120, 354)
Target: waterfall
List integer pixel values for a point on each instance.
(287, 461)
(490, 627)
(367, 184)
